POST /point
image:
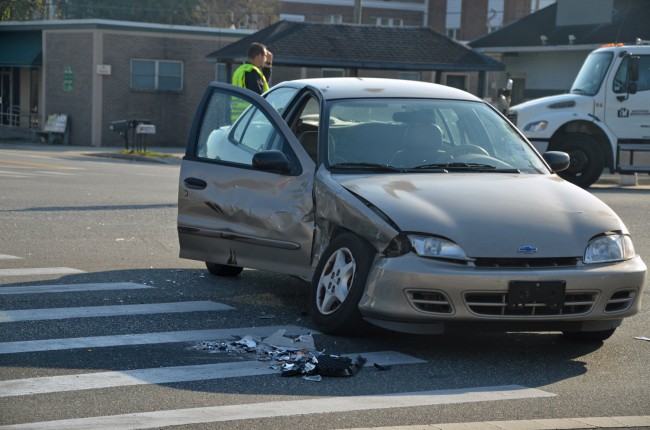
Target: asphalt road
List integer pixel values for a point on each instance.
(94, 301)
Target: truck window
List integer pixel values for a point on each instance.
(643, 84)
(591, 74)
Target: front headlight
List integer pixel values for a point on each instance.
(436, 247)
(609, 248)
(536, 126)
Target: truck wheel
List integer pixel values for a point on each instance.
(337, 286)
(587, 160)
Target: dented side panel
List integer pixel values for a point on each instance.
(337, 208)
(247, 218)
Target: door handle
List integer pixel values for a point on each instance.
(195, 183)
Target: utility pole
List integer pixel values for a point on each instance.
(357, 11)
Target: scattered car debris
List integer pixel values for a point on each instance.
(291, 356)
(642, 338)
(381, 367)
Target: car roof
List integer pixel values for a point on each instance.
(353, 88)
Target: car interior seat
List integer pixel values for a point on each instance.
(422, 144)
(309, 141)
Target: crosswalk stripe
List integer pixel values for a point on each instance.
(40, 271)
(214, 414)
(142, 339)
(8, 257)
(67, 288)
(106, 311)
(167, 375)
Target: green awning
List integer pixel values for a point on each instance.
(21, 49)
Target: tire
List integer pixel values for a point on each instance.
(589, 336)
(223, 270)
(587, 159)
(337, 286)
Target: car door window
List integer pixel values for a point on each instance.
(238, 142)
(280, 98)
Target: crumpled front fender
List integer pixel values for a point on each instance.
(337, 208)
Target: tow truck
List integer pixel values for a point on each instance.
(603, 123)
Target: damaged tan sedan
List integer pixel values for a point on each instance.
(408, 205)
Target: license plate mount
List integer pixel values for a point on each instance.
(526, 293)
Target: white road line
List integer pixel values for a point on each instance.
(537, 424)
(143, 339)
(40, 271)
(215, 414)
(11, 173)
(8, 257)
(110, 311)
(47, 172)
(166, 375)
(37, 289)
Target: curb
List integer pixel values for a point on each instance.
(171, 159)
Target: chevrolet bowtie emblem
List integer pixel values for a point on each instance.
(527, 249)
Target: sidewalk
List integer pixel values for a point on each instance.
(166, 155)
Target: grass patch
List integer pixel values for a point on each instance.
(145, 153)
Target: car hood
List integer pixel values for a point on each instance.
(491, 214)
(574, 102)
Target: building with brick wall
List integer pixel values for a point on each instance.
(100, 71)
(460, 20)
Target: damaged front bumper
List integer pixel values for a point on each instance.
(418, 295)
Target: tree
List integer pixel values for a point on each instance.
(24, 10)
(177, 12)
(253, 14)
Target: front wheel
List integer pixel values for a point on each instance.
(587, 159)
(338, 283)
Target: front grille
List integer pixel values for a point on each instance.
(526, 262)
(620, 301)
(512, 116)
(433, 302)
(495, 304)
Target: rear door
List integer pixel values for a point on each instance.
(231, 213)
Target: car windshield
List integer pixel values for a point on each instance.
(418, 135)
(592, 73)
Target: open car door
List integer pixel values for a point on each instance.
(245, 188)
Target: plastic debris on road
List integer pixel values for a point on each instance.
(291, 356)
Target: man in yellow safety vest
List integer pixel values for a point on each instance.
(254, 74)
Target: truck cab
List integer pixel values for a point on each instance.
(604, 120)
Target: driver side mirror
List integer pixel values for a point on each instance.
(557, 160)
(272, 161)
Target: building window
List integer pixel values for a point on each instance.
(221, 73)
(452, 21)
(292, 17)
(389, 22)
(158, 75)
(457, 81)
(409, 76)
(333, 19)
(332, 73)
(495, 15)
